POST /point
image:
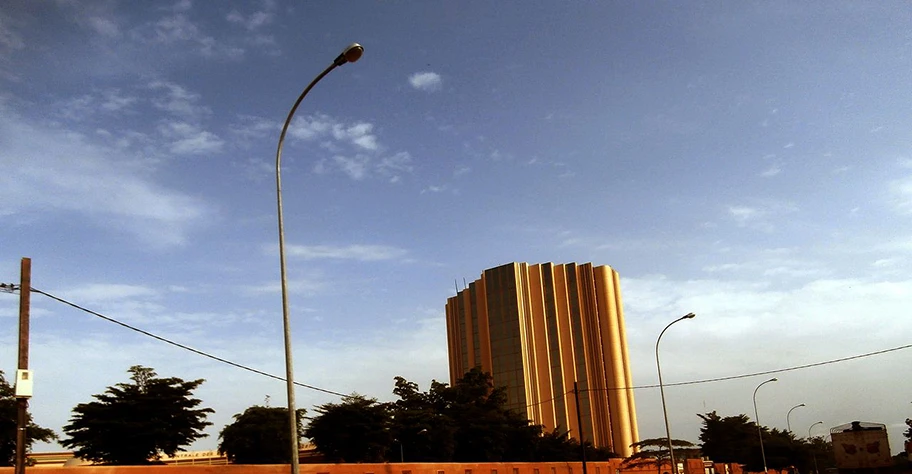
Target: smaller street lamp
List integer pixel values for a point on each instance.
(787, 422)
(759, 427)
(816, 471)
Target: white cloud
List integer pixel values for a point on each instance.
(252, 22)
(356, 149)
(355, 167)
(52, 169)
(901, 194)
(98, 292)
(104, 26)
(188, 139)
(773, 170)
(760, 215)
(362, 253)
(178, 101)
(426, 81)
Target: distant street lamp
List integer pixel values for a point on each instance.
(671, 456)
(788, 423)
(757, 417)
(816, 471)
(809, 428)
(351, 54)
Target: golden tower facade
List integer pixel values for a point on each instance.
(538, 329)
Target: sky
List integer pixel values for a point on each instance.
(750, 162)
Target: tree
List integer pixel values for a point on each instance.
(9, 414)
(735, 439)
(908, 432)
(654, 452)
(355, 430)
(732, 439)
(260, 435)
(135, 423)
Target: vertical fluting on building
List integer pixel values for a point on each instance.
(538, 329)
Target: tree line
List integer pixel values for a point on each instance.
(140, 421)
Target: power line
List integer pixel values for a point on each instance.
(182, 346)
(260, 372)
(766, 372)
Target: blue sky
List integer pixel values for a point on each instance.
(749, 162)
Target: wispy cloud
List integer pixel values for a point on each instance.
(177, 100)
(426, 81)
(362, 253)
(773, 170)
(188, 139)
(54, 169)
(760, 216)
(356, 150)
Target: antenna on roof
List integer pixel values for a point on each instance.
(464, 285)
(456, 285)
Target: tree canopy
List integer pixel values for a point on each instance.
(260, 435)
(735, 439)
(654, 452)
(8, 424)
(135, 423)
(354, 430)
(468, 422)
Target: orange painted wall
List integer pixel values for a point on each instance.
(692, 466)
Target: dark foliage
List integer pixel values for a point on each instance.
(735, 439)
(468, 422)
(8, 416)
(135, 423)
(355, 430)
(260, 435)
(654, 452)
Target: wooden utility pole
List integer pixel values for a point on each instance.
(25, 286)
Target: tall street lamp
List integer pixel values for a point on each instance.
(351, 54)
(788, 423)
(671, 456)
(816, 471)
(757, 417)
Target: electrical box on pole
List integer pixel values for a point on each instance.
(23, 383)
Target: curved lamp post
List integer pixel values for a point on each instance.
(757, 417)
(671, 456)
(788, 423)
(351, 54)
(812, 426)
(816, 471)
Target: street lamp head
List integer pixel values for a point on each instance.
(350, 54)
(801, 405)
(689, 316)
(774, 379)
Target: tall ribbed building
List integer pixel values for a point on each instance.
(538, 329)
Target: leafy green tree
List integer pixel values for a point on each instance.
(735, 439)
(355, 430)
(260, 435)
(135, 423)
(653, 452)
(9, 414)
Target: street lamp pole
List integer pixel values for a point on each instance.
(757, 417)
(351, 54)
(816, 471)
(810, 427)
(674, 465)
(788, 422)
